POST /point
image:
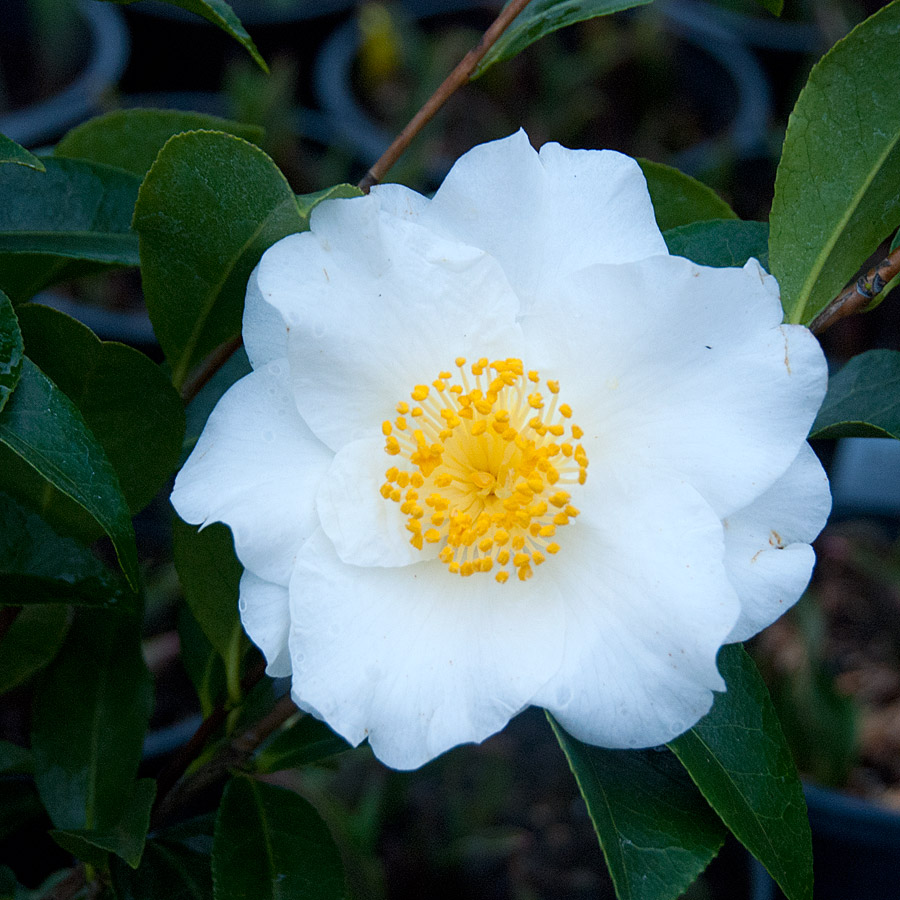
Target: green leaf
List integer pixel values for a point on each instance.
(222, 16)
(92, 246)
(31, 643)
(126, 399)
(14, 760)
(11, 349)
(130, 139)
(210, 575)
(720, 243)
(41, 426)
(776, 7)
(270, 843)
(656, 830)
(167, 870)
(203, 664)
(540, 18)
(308, 202)
(863, 399)
(11, 152)
(126, 838)
(740, 760)
(837, 191)
(305, 741)
(208, 208)
(39, 566)
(71, 220)
(89, 719)
(679, 199)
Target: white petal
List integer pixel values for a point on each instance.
(376, 304)
(263, 329)
(684, 369)
(266, 617)
(416, 659)
(366, 529)
(546, 215)
(767, 550)
(256, 468)
(648, 606)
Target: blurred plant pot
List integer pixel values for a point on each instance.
(856, 849)
(731, 94)
(40, 54)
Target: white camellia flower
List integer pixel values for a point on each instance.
(500, 449)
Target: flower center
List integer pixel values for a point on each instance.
(491, 460)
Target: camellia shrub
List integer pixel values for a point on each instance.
(539, 439)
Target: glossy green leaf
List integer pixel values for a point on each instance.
(90, 715)
(11, 349)
(42, 427)
(208, 208)
(679, 199)
(210, 575)
(167, 870)
(73, 219)
(270, 844)
(130, 139)
(720, 243)
(540, 18)
(837, 191)
(203, 664)
(308, 202)
(14, 760)
(31, 643)
(776, 7)
(863, 399)
(37, 565)
(125, 839)
(222, 16)
(303, 742)
(11, 152)
(126, 399)
(656, 830)
(740, 760)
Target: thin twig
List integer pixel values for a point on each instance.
(456, 79)
(857, 296)
(210, 366)
(171, 774)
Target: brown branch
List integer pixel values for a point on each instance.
(209, 367)
(171, 774)
(856, 297)
(456, 79)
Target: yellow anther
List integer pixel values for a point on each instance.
(553, 387)
(534, 376)
(402, 479)
(385, 491)
(478, 428)
(560, 499)
(582, 476)
(432, 535)
(572, 511)
(567, 449)
(392, 446)
(556, 430)
(561, 519)
(396, 494)
(439, 385)
(386, 428)
(392, 473)
(503, 557)
(455, 389)
(416, 480)
(520, 559)
(565, 410)
(485, 544)
(577, 433)
(553, 548)
(402, 407)
(538, 557)
(501, 537)
(460, 361)
(416, 411)
(444, 375)
(400, 422)
(416, 541)
(535, 400)
(502, 577)
(525, 573)
(444, 480)
(518, 542)
(419, 392)
(466, 569)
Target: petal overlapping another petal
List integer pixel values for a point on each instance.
(767, 550)
(545, 215)
(256, 467)
(685, 369)
(266, 617)
(414, 660)
(383, 304)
